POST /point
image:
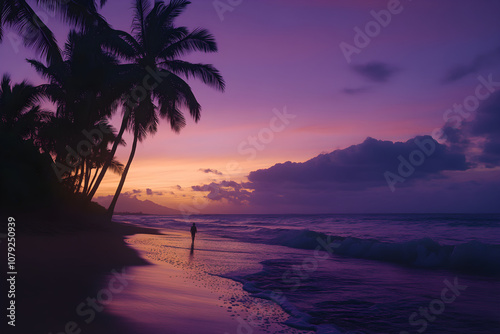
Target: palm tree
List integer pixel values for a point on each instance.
(158, 44)
(18, 14)
(19, 112)
(34, 33)
(85, 86)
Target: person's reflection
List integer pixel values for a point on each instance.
(191, 252)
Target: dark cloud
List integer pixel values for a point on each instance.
(376, 71)
(355, 91)
(136, 192)
(478, 63)
(362, 166)
(339, 176)
(456, 139)
(480, 137)
(150, 192)
(487, 126)
(231, 191)
(208, 171)
(132, 193)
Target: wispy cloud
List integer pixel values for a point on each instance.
(355, 91)
(150, 192)
(480, 62)
(212, 171)
(376, 71)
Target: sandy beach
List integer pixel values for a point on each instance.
(178, 294)
(96, 282)
(57, 272)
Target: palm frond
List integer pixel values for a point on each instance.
(35, 33)
(205, 72)
(167, 13)
(141, 10)
(81, 13)
(116, 167)
(172, 94)
(198, 40)
(2, 11)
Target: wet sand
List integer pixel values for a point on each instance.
(95, 282)
(177, 294)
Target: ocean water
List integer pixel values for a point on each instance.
(347, 273)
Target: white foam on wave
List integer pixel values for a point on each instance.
(473, 256)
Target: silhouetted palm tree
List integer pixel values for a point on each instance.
(19, 113)
(30, 28)
(86, 87)
(33, 31)
(158, 44)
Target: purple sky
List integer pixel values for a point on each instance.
(286, 54)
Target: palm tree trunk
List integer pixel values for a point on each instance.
(80, 178)
(111, 208)
(93, 179)
(110, 158)
(87, 178)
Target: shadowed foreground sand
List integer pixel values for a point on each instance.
(93, 282)
(56, 273)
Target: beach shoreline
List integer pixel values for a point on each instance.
(58, 272)
(96, 281)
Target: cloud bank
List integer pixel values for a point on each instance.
(428, 176)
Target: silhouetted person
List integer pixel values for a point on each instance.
(193, 232)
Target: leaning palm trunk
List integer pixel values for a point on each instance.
(111, 208)
(109, 160)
